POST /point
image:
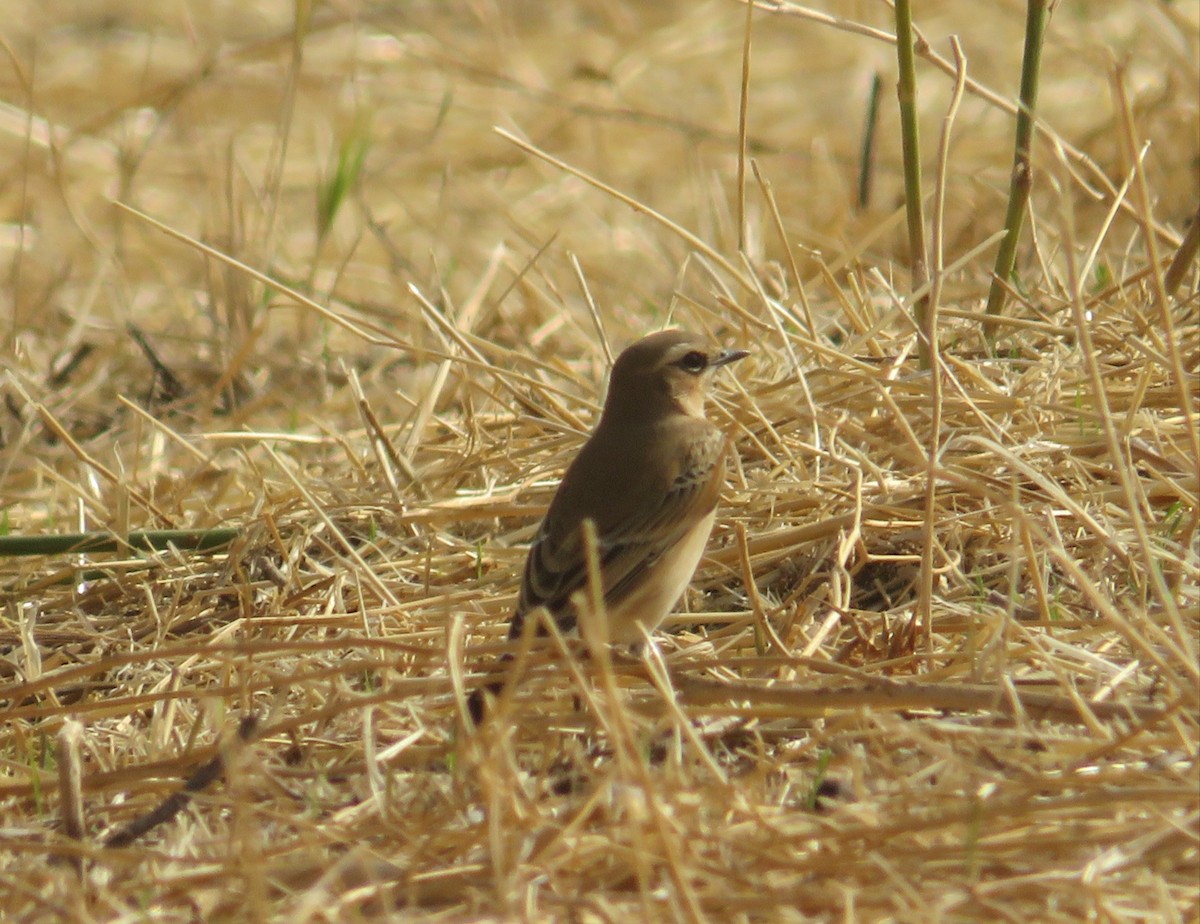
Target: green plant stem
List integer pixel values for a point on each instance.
(866, 157)
(906, 90)
(145, 540)
(1022, 173)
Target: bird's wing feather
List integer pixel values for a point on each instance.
(557, 563)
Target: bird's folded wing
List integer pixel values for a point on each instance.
(557, 564)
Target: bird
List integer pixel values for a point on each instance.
(648, 478)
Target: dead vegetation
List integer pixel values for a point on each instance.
(901, 691)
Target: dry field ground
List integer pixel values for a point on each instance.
(940, 661)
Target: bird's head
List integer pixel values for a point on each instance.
(670, 370)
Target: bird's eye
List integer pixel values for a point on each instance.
(694, 361)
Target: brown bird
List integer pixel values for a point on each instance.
(648, 478)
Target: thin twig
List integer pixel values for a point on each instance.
(930, 332)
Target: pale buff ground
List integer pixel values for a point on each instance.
(1032, 759)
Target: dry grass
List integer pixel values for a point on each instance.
(963, 691)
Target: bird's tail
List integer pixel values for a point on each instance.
(478, 698)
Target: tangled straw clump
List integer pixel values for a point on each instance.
(899, 689)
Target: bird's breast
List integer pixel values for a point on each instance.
(654, 598)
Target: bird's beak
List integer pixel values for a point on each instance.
(729, 356)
